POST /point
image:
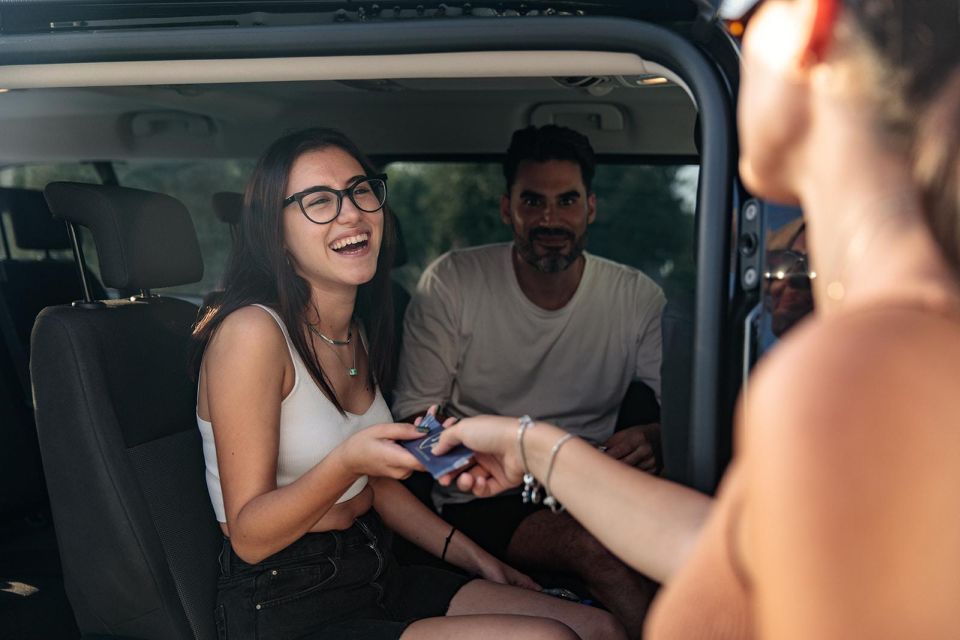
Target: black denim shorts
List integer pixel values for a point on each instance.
(336, 585)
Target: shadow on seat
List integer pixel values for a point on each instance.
(115, 411)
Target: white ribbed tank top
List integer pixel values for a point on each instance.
(310, 428)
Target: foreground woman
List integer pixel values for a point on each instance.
(838, 516)
(301, 453)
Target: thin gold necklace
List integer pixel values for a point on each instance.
(331, 343)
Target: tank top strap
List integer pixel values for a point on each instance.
(294, 356)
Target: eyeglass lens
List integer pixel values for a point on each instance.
(324, 205)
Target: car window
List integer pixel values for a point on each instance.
(787, 296)
(644, 214)
(37, 176)
(193, 183)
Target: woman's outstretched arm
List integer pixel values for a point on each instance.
(650, 523)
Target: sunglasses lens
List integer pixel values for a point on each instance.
(790, 266)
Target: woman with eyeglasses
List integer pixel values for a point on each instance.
(302, 456)
(838, 517)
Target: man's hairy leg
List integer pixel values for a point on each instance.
(556, 542)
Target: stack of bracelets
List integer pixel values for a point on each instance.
(531, 487)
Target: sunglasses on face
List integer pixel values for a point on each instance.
(734, 15)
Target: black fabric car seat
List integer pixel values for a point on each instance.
(26, 287)
(115, 411)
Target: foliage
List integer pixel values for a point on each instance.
(643, 220)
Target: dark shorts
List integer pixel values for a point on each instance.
(336, 584)
(491, 522)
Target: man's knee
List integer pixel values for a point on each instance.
(560, 542)
(590, 557)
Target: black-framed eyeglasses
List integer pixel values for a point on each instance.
(322, 204)
(789, 265)
(734, 15)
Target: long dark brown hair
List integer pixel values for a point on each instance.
(917, 46)
(258, 271)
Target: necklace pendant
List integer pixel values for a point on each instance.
(352, 372)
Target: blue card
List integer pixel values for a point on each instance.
(457, 458)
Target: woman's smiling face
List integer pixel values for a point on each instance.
(344, 252)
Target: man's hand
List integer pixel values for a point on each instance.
(637, 446)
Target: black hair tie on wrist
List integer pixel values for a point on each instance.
(446, 543)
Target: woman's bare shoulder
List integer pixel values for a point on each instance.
(851, 379)
(248, 332)
(850, 449)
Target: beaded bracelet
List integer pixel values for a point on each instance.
(531, 488)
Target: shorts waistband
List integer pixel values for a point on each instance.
(366, 529)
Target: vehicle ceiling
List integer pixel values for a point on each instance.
(393, 117)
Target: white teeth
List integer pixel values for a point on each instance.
(343, 242)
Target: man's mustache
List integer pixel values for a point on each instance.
(550, 232)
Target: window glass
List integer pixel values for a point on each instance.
(644, 215)
(787, 275)
(193, 183)
(37, 177)
(645, 212)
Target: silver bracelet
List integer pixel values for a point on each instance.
(531, 488)
(549, 500)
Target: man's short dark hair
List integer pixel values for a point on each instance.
(550, 142)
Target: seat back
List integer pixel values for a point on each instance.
(115, 411)
(26, 287)
(676, 382)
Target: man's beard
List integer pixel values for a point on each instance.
(555, 259)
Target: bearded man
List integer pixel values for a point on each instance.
(539, 326)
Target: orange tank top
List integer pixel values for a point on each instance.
(709, 598)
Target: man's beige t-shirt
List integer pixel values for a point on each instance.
(473, 340)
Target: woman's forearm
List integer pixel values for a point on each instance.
(405, 514)
(649, 522)
(273, 520)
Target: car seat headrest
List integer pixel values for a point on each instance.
(144, 239)
(227, 206)
(33, 226)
